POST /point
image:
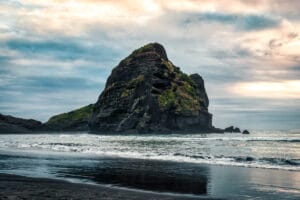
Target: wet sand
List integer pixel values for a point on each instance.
(21, 187)
(125, 178)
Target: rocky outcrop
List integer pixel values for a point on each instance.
(9, 124)
(76, 120)
(246, 132)
(146, 92)
(232, 129)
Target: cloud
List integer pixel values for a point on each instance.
(286, 39)
(256, 113)
(57, 54)
(4, 60)
(283, 90)
(43, 105)
(246, 22)
(287, 8)
(62, 49)
(49, 83)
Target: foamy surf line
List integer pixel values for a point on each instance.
(262, 149)
(176, 137)
(264, 163)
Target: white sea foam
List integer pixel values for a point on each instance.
(278, 150)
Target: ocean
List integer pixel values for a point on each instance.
(262, 165)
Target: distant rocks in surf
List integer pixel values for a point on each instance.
(232, 129)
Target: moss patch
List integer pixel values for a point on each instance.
(125, 93)
(167, 99)
(169, 65)
(143, 48)
(134, 82)
(181, 101)
(182, 97)
(127, 60)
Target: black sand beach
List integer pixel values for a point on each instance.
(21, 187)
(123, 178)
(149, 167)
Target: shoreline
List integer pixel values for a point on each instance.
(116, 178)
(23, 187)
(91, 155)
(157, 167)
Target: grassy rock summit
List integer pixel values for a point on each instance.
(76, 120)
(146, 92)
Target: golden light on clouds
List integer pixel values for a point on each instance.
(292, 48)
(284, 89)
(74, 17)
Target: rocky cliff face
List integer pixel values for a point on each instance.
(147, 93)
(9, 124)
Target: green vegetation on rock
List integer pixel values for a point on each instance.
(67, 120)
(136, 81)
(146, 92)
(132, 84)
(182, 97)
(180, 100)
(169, 65)
(125, 93)
(142, 49)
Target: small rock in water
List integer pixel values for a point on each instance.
(236, 130)
(246, 132)
(232, 129)
(249, 158)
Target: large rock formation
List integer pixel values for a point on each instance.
(76, 120)
(147, 93)
(9, 124)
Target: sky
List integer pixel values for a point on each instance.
(55, 55)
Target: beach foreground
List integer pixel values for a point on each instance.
(209, 166)
(21, 187)
(119, 178)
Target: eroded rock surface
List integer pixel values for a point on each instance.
(146, 92)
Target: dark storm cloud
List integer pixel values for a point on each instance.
(235, 52)
(247, 22)
(63, 49)
(58, 83)
(296, 68)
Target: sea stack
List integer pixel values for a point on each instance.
(146, 92)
